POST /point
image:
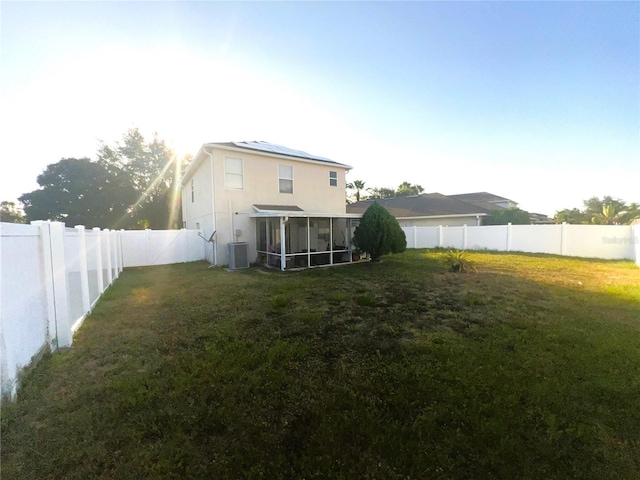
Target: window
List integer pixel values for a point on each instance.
(233, 173)
(333, 179)
(285, 178)
(192, 192)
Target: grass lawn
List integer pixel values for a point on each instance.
(528, 368)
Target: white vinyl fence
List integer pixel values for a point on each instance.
(591, 241)
(51, 278)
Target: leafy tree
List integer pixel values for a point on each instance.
(608, 211)
(149, 168)
(380, 193)
(80, 192)
(11, 213)
(512, 215)
(379, 233)
(405, 189)
(574, 216)
(358, 186)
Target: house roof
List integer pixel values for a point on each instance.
(483, 199)
(278, 208)
(424, 205)
(265, 148)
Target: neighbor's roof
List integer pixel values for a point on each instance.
(424, 205)
(266, 148)
(483, 199)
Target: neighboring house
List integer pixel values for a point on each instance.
(485, 200)
(427, 209)
(266, 195)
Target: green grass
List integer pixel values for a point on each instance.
(528, 369)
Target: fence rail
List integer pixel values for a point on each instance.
(51, 277)
(590, 241)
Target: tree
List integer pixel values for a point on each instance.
(11, 213)
(379, 233)
(150, 169)
(80, 192)
(573, 216)
(608, 211)
(608, 216)
(358, 186)
(380, 193)
(405, 189)
(512, 215)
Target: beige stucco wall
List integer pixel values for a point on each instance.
(311, 192)
(471, 220)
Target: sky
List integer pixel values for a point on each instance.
(538, 102)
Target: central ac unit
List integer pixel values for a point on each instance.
(238, 255)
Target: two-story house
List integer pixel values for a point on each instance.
(287, 208)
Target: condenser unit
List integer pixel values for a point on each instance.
(238, 255)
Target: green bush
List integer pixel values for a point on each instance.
(379, 233)
(458, 261)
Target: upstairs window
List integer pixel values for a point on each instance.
(333, 179)
(193, 195)
(285, 178)
(233, 173)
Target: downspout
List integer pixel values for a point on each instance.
(213, 209)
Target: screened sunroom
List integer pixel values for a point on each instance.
(291, 238)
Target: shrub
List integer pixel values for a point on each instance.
(458, 261)
(379, 233)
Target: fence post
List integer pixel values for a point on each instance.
(108, 252)
(45, 250)
(185, 252)
(64, 337)
(415, 236)
(84, 270)
(509, 237)
(121, 249)
(464, 236)
(99, 260)
(113, 253)
(146, 246)
(563, 239)
(440, 236)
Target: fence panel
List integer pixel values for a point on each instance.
(161, 247)
(74, 279)
(24, 312)
(453, 237)
(92, 243)
(636, 242)
(428, 237)
(490, 237)
(599, 241)
(537, 238)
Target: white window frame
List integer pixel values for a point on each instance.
(280, 177)
(333, 177)
(226, 173)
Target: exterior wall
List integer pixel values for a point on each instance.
(311, 192)
(471, 220)
(198, 213)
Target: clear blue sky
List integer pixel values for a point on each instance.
(535, 101)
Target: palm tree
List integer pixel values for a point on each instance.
(358, 185)
(609, 216)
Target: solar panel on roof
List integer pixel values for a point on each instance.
(279, 149)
